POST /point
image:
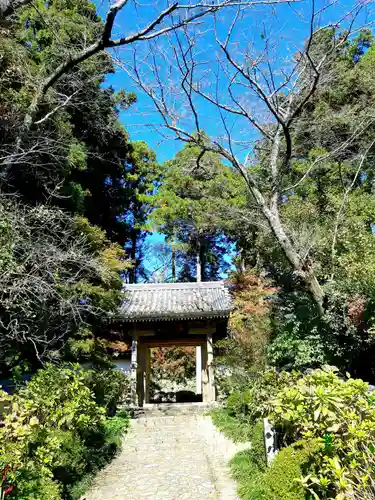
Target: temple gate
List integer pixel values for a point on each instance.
(170, 314)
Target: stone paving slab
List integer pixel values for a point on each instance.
(169, 458)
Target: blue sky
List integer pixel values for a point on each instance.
(283, 27)
(286, 25)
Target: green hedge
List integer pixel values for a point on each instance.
(319, 406)
(55, 435)
(280, 481)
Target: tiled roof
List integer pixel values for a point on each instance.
(168, 301)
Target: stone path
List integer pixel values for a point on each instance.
(180, 457)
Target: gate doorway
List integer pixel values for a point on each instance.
(205, 390)
(173, 375)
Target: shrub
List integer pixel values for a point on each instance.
(108, 445)
(233, 428)
(248, 477)
(243, 353)
(110, 388)
(335, 418)
(253, 401)
(341, 413)
(282, 480)
(53, 434)
(249, 465)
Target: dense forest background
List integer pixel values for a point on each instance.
(79, 197)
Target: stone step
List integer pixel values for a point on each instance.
(173, 409)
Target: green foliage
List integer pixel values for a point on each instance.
(248, 466)
(256, 481)
(78, 155)
(114, 429)
(341, 414)
(192, 208)
(110, 388)
(326, 424)
(142, 176)
(53, 434)
(250, 322)
(60, 276)
(281, 481)
(231, 426)
(342, 337)
(231, 366)
(242, 354)
(327, 210)
(247, 476)
(252, 400)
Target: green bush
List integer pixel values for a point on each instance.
(247, 475)
(233, 428)
(110, 388)
(253, 401)
(108, 445)
(54, 433)
(281, 481)
(114, 428)
(320, 407)
(341, 414)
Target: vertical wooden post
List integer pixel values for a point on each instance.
(209, 392)
(198, 369)
(210, 368)
(147, 374)
(205, 389)
(141, 374)
(133, 368)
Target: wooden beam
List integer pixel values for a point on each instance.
(150, 342)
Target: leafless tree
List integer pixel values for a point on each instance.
(45, 268)
(253, 92)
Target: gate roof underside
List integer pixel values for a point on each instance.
(175, 301)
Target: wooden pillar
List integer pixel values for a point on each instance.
(142, 350)
(205, 393)
(198, 369)
(147, 374)
(210, 368)
(209, 393)
(133, 369)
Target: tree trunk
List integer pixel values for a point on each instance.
(301, 268)
(199, 261)
(173, 264)
(133, 257)
(242, 260)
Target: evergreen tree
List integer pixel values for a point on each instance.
(194, 205)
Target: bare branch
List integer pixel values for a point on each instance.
(53, 111)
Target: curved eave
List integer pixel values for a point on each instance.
(177, 317)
